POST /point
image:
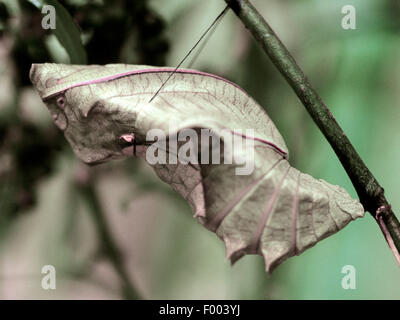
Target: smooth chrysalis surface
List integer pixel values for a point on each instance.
(274, 211)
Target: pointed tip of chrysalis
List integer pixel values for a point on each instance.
(235, 249)
(345, 202)
(274, 256)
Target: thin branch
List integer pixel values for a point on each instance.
(88, 192)
(371, 194)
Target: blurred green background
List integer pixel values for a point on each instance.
(115, 231)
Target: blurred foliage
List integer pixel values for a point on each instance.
(45, 218)
(65, 30)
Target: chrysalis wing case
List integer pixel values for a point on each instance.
(274, 210)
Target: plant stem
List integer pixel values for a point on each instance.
(108, 244)
(371, 194)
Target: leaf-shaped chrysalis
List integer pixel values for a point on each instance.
(274, 210)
